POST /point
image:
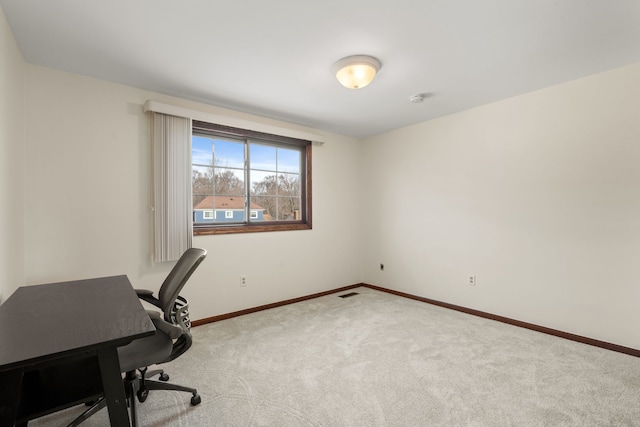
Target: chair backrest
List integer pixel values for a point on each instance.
(178, 276)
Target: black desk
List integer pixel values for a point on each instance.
(58, 346)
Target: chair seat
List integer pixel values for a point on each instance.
(144, 352)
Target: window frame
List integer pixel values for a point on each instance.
(249, 136)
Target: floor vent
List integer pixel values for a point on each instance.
(350, 294)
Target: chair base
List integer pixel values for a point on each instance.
(138, 386)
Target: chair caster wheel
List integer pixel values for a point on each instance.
(195, 400)
(164, 377)
(142, 394)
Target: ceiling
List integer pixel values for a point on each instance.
(273, 57)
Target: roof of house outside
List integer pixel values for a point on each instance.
(225, 202)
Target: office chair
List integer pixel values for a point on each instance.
(172, 339)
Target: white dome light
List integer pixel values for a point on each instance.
(357, 71)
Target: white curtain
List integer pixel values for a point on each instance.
(173, 221)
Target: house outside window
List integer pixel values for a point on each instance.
(261, 182)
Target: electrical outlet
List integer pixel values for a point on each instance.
(243, 280)
(471, 280)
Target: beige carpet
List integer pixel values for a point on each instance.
(376, 359)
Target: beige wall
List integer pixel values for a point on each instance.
(87, 210)
(537, 195)
(11, 162)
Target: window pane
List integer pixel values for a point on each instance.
(228, 153)
(228, 182)
(201, 150)
(268, 158)
(289, 184)
(278, 208)
(268, 206)
(278, 195)
(288, 208)
(262, 183)
(202, 183)
(262, 157)
(288, 160)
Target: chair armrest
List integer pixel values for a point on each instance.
(147, 295)
(173, 331)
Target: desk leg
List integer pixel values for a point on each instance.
(113, 387)
(10, 385)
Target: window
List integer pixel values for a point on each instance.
(208, 214)
(262, 182)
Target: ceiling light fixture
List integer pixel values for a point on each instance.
(357, 71)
